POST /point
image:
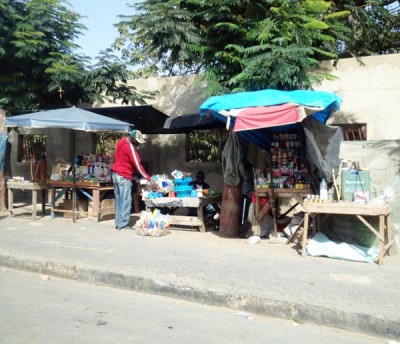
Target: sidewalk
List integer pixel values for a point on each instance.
(264, 278)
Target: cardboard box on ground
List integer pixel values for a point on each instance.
(80, 211)
(84, 207)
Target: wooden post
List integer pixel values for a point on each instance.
(230, 211)
(3, 147)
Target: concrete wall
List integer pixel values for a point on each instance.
(370, 94)
(166, 153)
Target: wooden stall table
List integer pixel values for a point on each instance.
(273, 195)
(382, 211)
(27, 186)
(58, 188)
(185, 202)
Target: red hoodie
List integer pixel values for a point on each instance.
(127, 160)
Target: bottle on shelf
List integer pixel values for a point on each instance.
(323, 190)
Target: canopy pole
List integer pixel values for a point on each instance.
(73, 193)
(73, 178)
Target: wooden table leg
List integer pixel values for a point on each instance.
(304, 235)
(34, 201)
(96, 204)
(257, 231)
(10, 202)
(135, 197)
(273, 202)
(390, 236)
(200, 215)
(382, 240)
(43, 201)
(52, 202)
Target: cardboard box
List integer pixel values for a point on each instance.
(59, 171)
(80, 210)
(356, 185)
(107, 208)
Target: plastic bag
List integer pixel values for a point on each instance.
(153, 224)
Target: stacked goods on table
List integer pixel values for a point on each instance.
(165, 187)
(182, 187)
(177, 187)
(287, 164)
(88, 168)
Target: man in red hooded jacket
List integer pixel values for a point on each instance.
(127, 162)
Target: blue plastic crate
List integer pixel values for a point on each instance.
(183, 194)
(182, 181)
(183, 188)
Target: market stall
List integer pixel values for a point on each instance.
(181, 194)
(185, 202)
(274, 121)
(383, 233)
(74, 119)
(330, 190)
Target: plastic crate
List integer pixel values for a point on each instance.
(182, 181)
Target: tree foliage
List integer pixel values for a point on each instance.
(39, 68)
(374, 27)
(248, 45)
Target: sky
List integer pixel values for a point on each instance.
(100, 15)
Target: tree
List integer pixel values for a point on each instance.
(374, 27)
(235, 44)
(248, 45)
(38, 66)
(158, 38)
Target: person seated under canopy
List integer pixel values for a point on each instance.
(199, 182)
(209, 210)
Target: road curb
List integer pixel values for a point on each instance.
(300, 312)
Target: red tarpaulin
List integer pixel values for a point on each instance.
(267, 116)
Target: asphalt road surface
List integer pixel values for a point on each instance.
(41, 309)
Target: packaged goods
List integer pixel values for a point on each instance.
(356, 185)
(323, 190)
(153, 224)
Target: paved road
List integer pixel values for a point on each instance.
(266, 279)
(37, 308)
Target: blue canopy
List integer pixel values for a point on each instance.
(320, 104)
(68, 118)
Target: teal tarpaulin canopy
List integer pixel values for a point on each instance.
(269, 109)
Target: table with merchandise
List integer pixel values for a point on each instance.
(185, 202)
(359, 209)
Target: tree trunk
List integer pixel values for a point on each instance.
(3, 145)
(230, 211)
